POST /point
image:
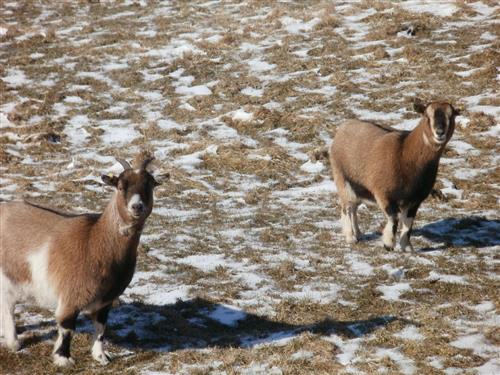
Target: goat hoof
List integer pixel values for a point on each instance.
(351, 240)
(62, 361)
(404, 249)
(102, 357)
(388, 248)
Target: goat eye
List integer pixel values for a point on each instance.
(122, 186)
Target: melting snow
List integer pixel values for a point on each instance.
(392, 292)
(193, 90)
(118, 132)
(206, 262)
(295, 26)
(477, 343)
(410, 333)
(4, 122)
(227, 315)
(406, 365)
(358, 266)
(75, 130)
(436, 8)
(15, 78)
(311, 167)
(259, 66)
(435, 276)
(242, 115)
(250, 91)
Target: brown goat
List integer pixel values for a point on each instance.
(73, 263)
(396, 169)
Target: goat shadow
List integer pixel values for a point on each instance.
(474, 231)
(199, 324)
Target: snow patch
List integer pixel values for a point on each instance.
(392, 292)
(456, 279)
(477, 343)
(358, 266)
(259, 66)
(250, 91)
(410, 333)
(406, 364)
(311, 167)
(436, 8)
(75, 131)
(295, 26)
(4, 122)
(200, 90)
(206, 262)
(242, 115)
(15, 78)
(348, 348)
(227, 315)
(118, 132)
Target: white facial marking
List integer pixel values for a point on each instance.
(41, 288)
(430, 114)
(136, 199)
(439, 139)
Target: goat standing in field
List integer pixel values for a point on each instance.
(73, 263)
(396, 169)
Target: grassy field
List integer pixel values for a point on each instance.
(242, 267)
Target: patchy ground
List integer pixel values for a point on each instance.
(242, 267)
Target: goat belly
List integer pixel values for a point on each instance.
(361, 192)
(419, 187)
(119, 279)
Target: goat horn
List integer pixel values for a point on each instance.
(146, 161)
(124, 164)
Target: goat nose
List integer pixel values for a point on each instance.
(137, 206)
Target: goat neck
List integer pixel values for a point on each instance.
(112, 228)
(419, 147)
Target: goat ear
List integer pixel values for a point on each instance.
(164, 177)
(419, 106)
(110, 180)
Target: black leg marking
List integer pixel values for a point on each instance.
(66, 327)
(100, 319)
(391, 210)
(69, 323)
(412, 212)
(64, 349)
(395, 226)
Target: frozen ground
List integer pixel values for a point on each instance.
(242, 268)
